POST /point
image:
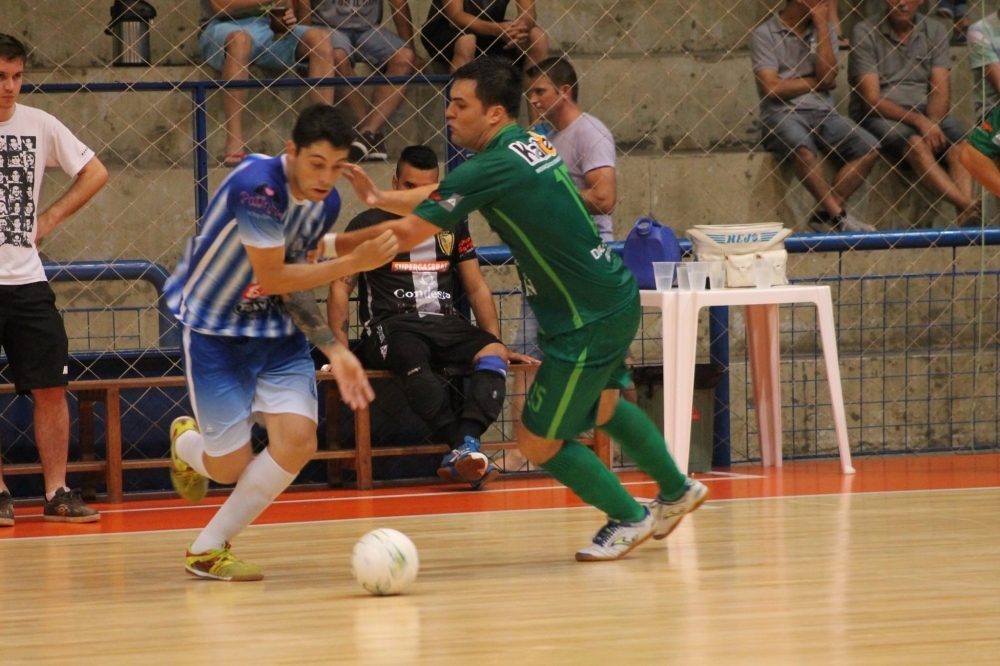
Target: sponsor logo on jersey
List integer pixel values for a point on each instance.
(253, 290)
(254, 300)
(446, 241)
(986, 126)
(260, 202)
(422, 293)
(266, 190)
(536, 150)
(421, 266)
(601, 250)
(466, 245)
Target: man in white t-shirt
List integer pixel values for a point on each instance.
(31, 329)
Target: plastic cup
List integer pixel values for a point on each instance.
(682, 277)
(276, 18)
(762, 272)
(663, 272)
(717, 275)
(698, 275)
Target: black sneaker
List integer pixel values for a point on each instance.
(376, 147)
(358, 150)
(6, 509)
(67, 507)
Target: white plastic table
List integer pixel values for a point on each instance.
(679, 314)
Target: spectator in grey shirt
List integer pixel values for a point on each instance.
(794, 56)
(901, 71)
(357, 33)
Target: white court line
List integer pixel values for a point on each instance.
(467, 513)
(315, 500)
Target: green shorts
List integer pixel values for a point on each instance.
(576, 367)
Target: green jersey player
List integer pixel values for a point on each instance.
(982, 150)
(586, 301)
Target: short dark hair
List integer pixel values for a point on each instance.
(497, 81)
(322, 122)
(11, 48)
(418, 157)
(559, 71)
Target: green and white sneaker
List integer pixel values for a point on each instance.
(615, 540)
(188, 483)
(668, 515)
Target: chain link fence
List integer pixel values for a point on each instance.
(673, 80)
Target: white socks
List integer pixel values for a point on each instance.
(261, 482)
(190, 447)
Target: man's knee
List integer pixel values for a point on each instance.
(465, 47)
(238, 45)
(493, 349)
(805, 155)
(402, 62)
(487, 391)
(342, 62)
(537, 450)
(918, 148)
(317, 43)
(427, 396)
(49, 396)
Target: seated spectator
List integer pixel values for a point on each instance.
(357, 32)
(901, 71)
(411, 325)
(458, 31)
(238, 33)
(794, 56)
(984, 59)
(955, 11)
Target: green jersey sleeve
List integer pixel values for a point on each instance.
(984, 138)
(473, 185)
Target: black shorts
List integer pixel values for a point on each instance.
(33, 336)
(439, 34)
(399, 343)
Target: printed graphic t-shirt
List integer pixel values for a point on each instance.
(30, 141)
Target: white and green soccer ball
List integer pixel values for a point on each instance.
(385, 562)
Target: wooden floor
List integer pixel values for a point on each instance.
(899, 564)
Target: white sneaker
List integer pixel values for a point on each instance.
(615, 540)
(850, 223)
(668, 515)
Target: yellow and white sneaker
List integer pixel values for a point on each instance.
(221, 564)
(188, 483)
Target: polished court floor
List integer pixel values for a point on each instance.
(899, 564)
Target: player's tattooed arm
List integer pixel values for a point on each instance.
(351, 281)
(305, 312)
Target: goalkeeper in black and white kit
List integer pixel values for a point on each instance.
(410, 326)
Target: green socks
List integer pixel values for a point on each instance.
(577, 468)
(643, 443)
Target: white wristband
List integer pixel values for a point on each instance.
(330, 246)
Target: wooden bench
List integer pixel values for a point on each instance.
(363, 453)
(89, 392)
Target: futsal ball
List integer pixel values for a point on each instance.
(385, 562)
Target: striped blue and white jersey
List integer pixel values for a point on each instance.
(213, 289)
